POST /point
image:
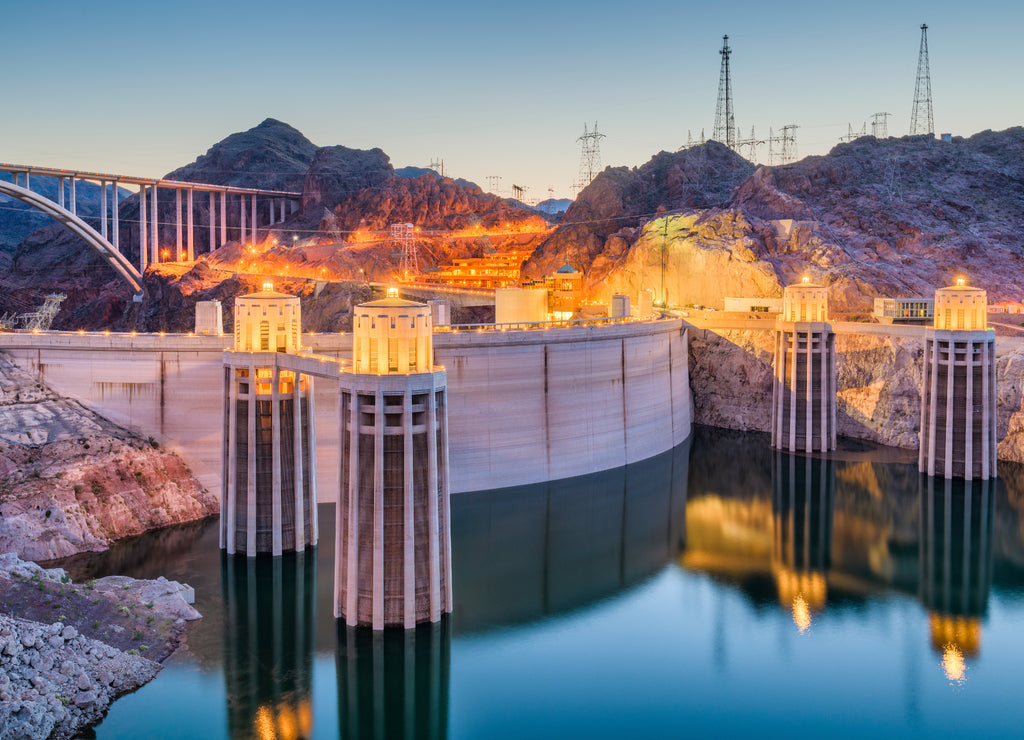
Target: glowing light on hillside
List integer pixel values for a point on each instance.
(961, 281)
(805, 280)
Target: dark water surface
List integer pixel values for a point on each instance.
(717, 590)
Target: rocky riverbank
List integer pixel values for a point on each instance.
(68, 650)
(72, 481)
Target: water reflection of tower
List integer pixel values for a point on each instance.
(270, 627)
(956, 529)
(803, 490)
(394, 683)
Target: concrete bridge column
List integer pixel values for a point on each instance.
(254, 219)
(271, 212)
(295, 206)
(281, 202)
(223, 218)
(143, 230)
(154, 247)
(177, 224)
(116, 216)
(103, 209)
(241, 223)
(74, 203)
(60, 189)
(213, 220)
(191, 227)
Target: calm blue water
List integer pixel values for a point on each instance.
(716, 590)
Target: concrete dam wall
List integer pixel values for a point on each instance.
(524, 407)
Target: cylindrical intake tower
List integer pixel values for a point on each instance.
(804, 391)
(268, 491)
(393, 536)
(958, 393)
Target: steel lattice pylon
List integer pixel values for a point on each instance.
(725, 120)
(590, 156)
(921, 119)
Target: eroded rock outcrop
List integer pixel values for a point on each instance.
(73, 481)
(67, 651)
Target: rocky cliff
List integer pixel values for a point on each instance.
(878, 379)
(71, 481)
(872, 217)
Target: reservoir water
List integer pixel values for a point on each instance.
(719, 589)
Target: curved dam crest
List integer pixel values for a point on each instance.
(524, 406)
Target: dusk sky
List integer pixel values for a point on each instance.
(492, 88)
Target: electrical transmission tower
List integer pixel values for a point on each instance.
(921, 120)
(851, 135)
(494, 183)
(750, 145)
(880, 125)
(403, 239)
(692, 142)
(437, 165)
(590, 156)
(725, 121)
(782, 147)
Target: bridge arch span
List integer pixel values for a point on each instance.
(106, 250)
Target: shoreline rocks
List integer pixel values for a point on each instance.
(55, 676)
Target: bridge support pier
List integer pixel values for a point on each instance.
(191, 227)
(154, 246)
(116, 214)
(177, 224)
(103, 209)
(143, 232)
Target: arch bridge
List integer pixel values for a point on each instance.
(106, 240)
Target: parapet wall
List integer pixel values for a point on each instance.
(523, 407)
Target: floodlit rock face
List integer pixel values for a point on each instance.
(72, 481)
(337, 172)
(605, 218)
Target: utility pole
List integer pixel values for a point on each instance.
(922, 120)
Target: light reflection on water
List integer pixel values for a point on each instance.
(721, 588)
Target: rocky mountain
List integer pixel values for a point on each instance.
(872, 217)
(605, 220)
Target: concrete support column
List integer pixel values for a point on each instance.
(74, 199)
(190, 255)
(409, 527)
(281, 203)
(223, 218)
(969, 362)
(177, 224)
(791, 391)
(103, 209)
(28, 185)
(229, 495)
(250, 513)
(351, 562)
(116, 215)
(433, 509)
(809, 395)
(271, 211)
(60, 189)
(950, 404)
(254, 220)
(143, 230)
(275, 463)
(213, 221)
(378, 513)
(297, 490)
(154, 247)
(241, 223)
(314, 515)
(443, 489)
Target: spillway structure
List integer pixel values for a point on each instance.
(393, 534)
(804, 389)
(958, 390)
(268, 491)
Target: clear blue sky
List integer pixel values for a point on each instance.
(492, 88)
